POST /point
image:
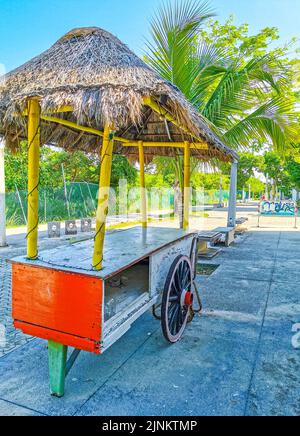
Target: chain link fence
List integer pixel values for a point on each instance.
(79, 200)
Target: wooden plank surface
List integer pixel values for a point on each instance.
(208, 235)
(58, 301)
(122, 249)
(77, 342)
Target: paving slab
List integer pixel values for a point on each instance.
(275, 388)
(291, 257)
(200, 375)
(24, 373)
(292, 236)
(10, 409)
(248, 269)
(235, 295)
(224, 324)
(283, 312)
(287, 271)
(262, 254)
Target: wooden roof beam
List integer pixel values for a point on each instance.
(160, 110)
(75, 126)
(193, 146)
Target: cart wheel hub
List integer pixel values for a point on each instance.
(187, 298)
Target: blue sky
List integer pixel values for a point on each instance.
(27, 27)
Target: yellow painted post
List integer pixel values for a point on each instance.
(103, 197)
(187, 188)
(34, 113)
(143, 185)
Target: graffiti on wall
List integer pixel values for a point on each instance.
(283, 208)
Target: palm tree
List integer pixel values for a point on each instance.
(243, 101)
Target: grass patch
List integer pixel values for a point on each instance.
(206, 269)
(200, 214)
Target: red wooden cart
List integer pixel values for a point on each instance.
(90, 92)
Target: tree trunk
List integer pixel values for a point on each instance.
(273, 190)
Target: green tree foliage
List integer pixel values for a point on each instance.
(272, 165)
(16, 169)
(293, 169)
(210, 181)
(236, 39)
(78, 167)
(257, 186)
(278, 171)
(240, 83)
(237, 83)
(248, 163)
(121, 169)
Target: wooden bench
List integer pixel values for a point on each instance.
(229, 233)
(205, 238)
(241, 221)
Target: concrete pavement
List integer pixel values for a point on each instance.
(238, 358)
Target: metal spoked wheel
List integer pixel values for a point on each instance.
(194, 257)
(177, 299)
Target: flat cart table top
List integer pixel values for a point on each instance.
(122, 249)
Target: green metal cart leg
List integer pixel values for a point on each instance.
(57, 368)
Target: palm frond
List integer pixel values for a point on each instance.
(174, 30)
(275, 121)
(241, 99)
(239, 84)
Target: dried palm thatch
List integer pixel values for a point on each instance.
(104, 82)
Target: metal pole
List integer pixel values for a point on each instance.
(34, 113)
(92, 199)
(187, 188)
(45, 206)
(123, 199)
(221, 191)
(86, 210)
(231, 221)
(21, 204)
(2, 197)
(65, 189)
(142, 184)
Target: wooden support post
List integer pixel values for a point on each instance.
(34, 113)
(57, 368)
(103, 197)
(231, 221)
(143, 185)
(2, 198)
(187, 187)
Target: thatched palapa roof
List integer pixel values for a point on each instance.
(104, 82)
